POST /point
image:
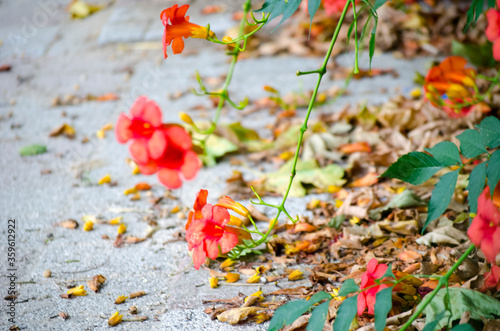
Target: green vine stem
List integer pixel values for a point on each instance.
(443, 281)
(321, 72)
(224, 94)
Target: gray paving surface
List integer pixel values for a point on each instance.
(118, 50)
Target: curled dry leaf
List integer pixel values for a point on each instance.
(236, 315)
(96, 282)
(137, 294)
(68, 224)
(64, 129)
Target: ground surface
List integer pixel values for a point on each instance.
(118, 50)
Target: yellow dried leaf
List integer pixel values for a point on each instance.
(121, 299)
(115, 319)
(122, 228)
(100, 134)
(254, 279)
(354, 220)
(295, 275)
(77, 291)
(105, 180)
(232, 277)
(88, 226)
(214, 282)
(227, 263)
(236, 315)
(128, 191)
(116, 220)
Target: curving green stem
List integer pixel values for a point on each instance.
(223, 95)
(443, 281)
(321, 72)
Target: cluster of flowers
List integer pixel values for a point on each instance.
(493, 30)
(211, 231)
(157, 147)
(451, 86)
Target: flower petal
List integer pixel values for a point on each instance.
(178, 45)
(136, 109)
(220, 216)
(227, 242)
(169, 178)
(138, 150)
(212, 248)
(191, 165)
(361, 303)
(122, 131)
(151, 113)
(179, 137)
(157, 144)
(199, 256)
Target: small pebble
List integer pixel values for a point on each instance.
(47, 273)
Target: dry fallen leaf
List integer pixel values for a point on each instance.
(236, 315)
(63, 129)
(68, 224)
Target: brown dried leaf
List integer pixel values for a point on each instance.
(68, 224)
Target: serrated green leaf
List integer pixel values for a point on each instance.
(489, 128)
(463, 300)
(348, 287)
(493, 171)
(32, 150)
(280, 7)
(414, 168)
(446, 153)
(463, 327)
(345, 314)
(471, 143)
(477, 180)
(441, 196)
(318, 317)
(287, 314)
(383, 304)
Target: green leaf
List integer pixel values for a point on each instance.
(477, 180)
(446, 153)
(348, 287)
(414, 168)
(388, 273)
(32, 150)
(471, 143)
(476, 8)
(318, 317)
(430, 326)
(345, 314)
(493, 171)
(383, 304)
(216, 147)
(312, 7)
(441, 196)
(280, 7)
(308, 172)
(478, 304)
(404, 200)
(491, 3)
(378, 4)
(479, 55)
(287, 314)
(336, 221)
(489, 128)
(463, 327)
